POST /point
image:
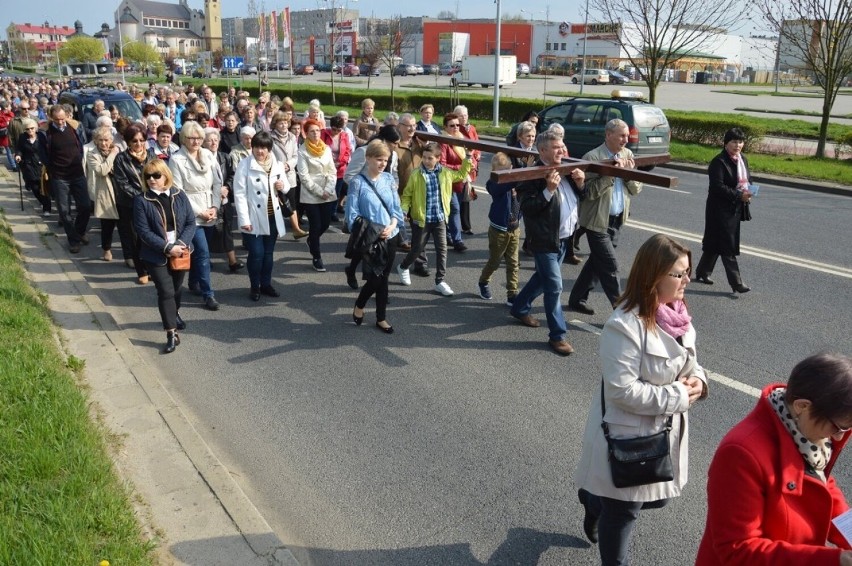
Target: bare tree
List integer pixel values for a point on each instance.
(386, 42)
(656, 34)
(815, 37)
(446, 15)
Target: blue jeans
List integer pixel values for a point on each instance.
(546, 280)
(63, 191)
(199, 269)
(10, 158)
(259, 262)
(454, 230)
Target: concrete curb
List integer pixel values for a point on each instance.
(191, 505)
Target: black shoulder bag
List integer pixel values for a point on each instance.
(362, 233)
(642, 460)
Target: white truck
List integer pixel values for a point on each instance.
(479, 69)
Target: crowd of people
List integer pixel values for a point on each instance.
(175, 184)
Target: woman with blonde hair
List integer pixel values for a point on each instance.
(165, 223)
(99, 165)
(196, 172)
(366, 125)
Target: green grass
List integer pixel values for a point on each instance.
(60, 500)
(831, 170)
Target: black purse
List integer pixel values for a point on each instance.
(642, 460)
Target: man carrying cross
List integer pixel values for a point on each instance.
(602, 213)
(549, 206)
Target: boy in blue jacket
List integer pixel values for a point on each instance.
(503, 232)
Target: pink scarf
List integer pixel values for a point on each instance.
(674, 319)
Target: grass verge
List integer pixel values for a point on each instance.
(60, 500)
(831, 170)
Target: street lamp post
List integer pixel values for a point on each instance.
(585, 35)
(497, 53)
(121, 51)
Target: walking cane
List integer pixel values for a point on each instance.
(21, 188)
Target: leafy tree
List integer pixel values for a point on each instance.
(656, 34)
(145, 55)
(23, 52)
(816, 37)
(81, 50)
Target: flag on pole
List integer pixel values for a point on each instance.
(285, 27)
(273, 28)
(261, 28)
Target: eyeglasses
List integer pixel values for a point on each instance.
(452, 126)
(839, 430)
(154, 175)
(686, 274)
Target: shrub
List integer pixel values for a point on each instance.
(708, 131)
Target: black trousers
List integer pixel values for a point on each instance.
(732, 268)
(168, 284)
(378, 284)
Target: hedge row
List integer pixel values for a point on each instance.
(711, 132)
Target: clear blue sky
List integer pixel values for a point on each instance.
(66, 12)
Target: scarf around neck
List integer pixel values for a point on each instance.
(674, 318)
(315, 148)
(816, 455)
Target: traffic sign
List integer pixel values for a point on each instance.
(232, 62)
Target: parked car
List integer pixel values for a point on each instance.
(349, 70)
(447, 69)
(617, 78)
(419, 69)
(431, 69)
(592, 76)
(304, 70)
(323, 67)
(374, 70)
(231, 71)
(584, 120)
(248, 69)
(404, 70)
(523, 69)
(82, 99)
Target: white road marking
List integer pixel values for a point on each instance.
(666, 189)
(750, 250)
(714, 376)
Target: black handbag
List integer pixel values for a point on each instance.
(642, 460)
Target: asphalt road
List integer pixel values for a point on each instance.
(454, 440)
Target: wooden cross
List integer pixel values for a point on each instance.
(606, 168)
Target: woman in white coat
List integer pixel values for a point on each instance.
(318, 174)
(196, 171)
(260, 183)
(650, 372)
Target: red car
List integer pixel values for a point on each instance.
(349, 70)
(304, 70)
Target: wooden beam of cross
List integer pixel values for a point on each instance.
(604, 168)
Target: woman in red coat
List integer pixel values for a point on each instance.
(335, 138)
(770, 494)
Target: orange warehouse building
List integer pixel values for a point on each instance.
(515, 38)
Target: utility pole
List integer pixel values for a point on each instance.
(496, 121)
(585, 35)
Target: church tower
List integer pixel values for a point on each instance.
(213, 25)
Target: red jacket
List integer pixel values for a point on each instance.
(345, 150)
(451, 160)
(6, 118)
(762, 508)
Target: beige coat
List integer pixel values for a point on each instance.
(594, 208)
(638, 406)
(98, 170)
(318, 176)
(201, 181)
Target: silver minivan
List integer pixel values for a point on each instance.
(593, 77)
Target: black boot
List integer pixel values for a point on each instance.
(172, 341)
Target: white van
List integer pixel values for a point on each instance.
(593, 77)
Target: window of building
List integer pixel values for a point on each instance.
(562, 48)
(547, 47)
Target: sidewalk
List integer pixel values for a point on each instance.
(187, 501)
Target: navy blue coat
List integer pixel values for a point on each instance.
(149, 221)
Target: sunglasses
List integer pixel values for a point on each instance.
(155, 175)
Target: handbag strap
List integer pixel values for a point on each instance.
(370, 184)
(605, 426)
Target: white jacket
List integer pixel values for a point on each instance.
(252, 186)
(201, 181)
(318, 176)
(638, 405)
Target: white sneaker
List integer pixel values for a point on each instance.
(404, 275)
(444, 289)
